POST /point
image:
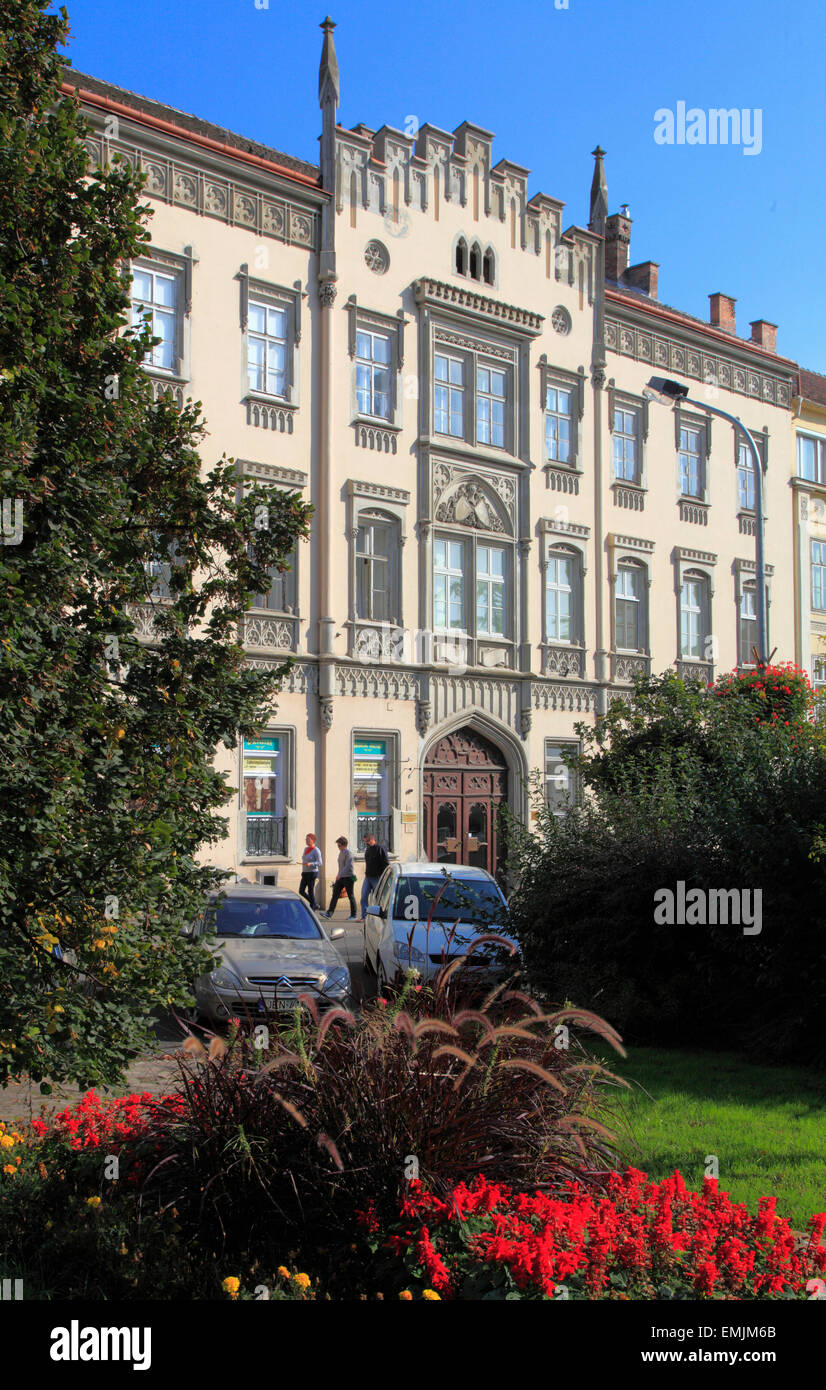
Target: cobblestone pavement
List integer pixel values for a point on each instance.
(156, 1072)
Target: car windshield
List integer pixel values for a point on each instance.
(475, 901)
(262, 917)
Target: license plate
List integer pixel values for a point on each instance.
(284, 1006)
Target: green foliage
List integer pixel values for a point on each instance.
(684, 786)
(107, 788)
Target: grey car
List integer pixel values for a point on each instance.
(269, 948)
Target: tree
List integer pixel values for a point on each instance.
(107, 784)
(687, 785)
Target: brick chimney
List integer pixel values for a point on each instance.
(764, 334)
(617, 241)
(643, 277)
(722, 313)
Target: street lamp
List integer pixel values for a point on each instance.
(667, 392)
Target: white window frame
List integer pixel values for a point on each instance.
(472, 359)
(557, 379)
(632, 436)
(819, 460)
(178, 268)
(491, 583)
(365, 320)
(271, 296)
(448, 573)
(700, 611)
(565, 781)
(817, 565)
(570, 557)
(368, 519)
(626, 566)
(373, 365)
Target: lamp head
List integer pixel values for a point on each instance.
(661, 389)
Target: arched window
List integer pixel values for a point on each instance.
(489, 268)
(461, 257)
(475, 261)
(694, 616)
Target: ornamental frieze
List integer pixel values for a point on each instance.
(709, 368)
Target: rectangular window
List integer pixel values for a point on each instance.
(371, 790)
(626, 447)
(490, 591)
(691, 620)
(819, 673)
(374, 570)
(448, 585)
(747, 634)
(373, 374)
(745, 479)
(691, 464)
(490, 407)
(559, 592)
(449, 396)
(280, 597)
(558, 424)
(155, 296)
(560, 781)
(267, 331)
(811, 459)
(628, 609)
(263, 796)
(819, 574)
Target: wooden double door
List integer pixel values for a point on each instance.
(465, 781)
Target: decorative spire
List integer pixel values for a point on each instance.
(599, 194)
(328, 87)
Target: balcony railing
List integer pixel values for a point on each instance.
(380, 826)
(695, 670)
(266, 836)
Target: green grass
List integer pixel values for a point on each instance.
(767, 1125)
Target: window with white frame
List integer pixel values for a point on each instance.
(491, 397)
(490, 591)
(449, 395)
(156, 300)
(559, 424)
(629, 616)
(819, 674)
(747, 625)
(267, 348)
(373, 385)
(626, 435)
(448, 585)
(819, 574)
(559, 597)
(560, 779)
(811, 458)
(280, 597)
(694, 616)
(377, 546)
(745, 478)
(691, 461)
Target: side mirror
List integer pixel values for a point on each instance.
(336, 933)
(373, 912)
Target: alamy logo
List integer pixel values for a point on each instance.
(717, 126)
(701, 907)
(76, 1343)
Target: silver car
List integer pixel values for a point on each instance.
(421, 916)
(269, 948)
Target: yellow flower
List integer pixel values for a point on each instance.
(93, 1201)
(123, 1249)
(6, 1141)
(406, 1296)
(431, 1296)
(100, 944)
(9, 1168)
(283, 1272)
(231, 1285)
(302, 1280)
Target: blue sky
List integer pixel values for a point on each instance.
(550, 83)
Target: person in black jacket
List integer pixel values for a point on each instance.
(375, 863)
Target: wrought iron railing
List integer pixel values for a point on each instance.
(266, 835)
(380, 826)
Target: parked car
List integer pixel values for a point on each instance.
(269, 948)
(422, 916)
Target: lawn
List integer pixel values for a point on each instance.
(766, 1124)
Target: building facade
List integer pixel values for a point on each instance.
(809, 525)
(506, 529)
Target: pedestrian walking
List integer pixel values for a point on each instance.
(310, 870)
(375, 862)
(345, 880)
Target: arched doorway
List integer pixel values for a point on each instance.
(465, 780)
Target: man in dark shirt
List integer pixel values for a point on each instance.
(375, 863)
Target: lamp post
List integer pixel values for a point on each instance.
(667, 392)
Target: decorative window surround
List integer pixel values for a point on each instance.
(566, 539)
(285, 806)
(523, 322)
(630, 493)
(393, 325)
(267, 629)
(169, 381)
(263, 409)
(693, 511)
(747, 516)
(745, 574)
(550, 375)
(367, 637)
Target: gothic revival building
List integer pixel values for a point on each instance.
(505, 528)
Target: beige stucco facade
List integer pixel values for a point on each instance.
(496, 509)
